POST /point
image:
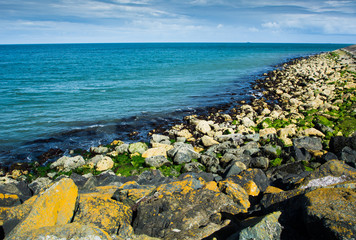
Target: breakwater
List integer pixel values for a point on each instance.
(279, 167)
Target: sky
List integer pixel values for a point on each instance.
(102, 21)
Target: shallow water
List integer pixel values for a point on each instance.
(81, 95)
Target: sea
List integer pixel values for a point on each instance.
(71, 96)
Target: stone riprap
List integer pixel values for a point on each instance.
(281, 166)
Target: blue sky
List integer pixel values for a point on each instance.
(87, 21)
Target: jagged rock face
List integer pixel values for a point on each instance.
(330, 213)
(174, 216)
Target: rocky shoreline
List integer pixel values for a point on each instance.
(279, 167)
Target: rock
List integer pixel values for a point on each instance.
(54, 207)
(287, 132)
(252, 137)
(330, 213)
(9, 200)
(20, 189)
(208, 141)
(309, 143)
(333, 168)
(300, 154)
(247, 122)
(39, 185)
(157, 161)
(183, 153)
(211, 163)
(156, 138)
(104, 164)
(99, 150)
(236, 192)
(267, 131)
(312, 132)
(123, 148)
(103, 212)
(184, 133)
(167, 147)
(155, 152)
(203, 127)
(272, 151)
(193, 167)
(349, 156)
(234, 169)
(138, 147)
(329, 156)
(257, 176)
(259, 162)
(251, 188)
(261, 228)
(67, 231)
(68, 163)
(181, 215)
(339, 142)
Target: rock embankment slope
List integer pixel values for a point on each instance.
(281, 166)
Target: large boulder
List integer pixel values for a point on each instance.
(103, 212)
(54, 207)
(309, 143)
(330, 213)
(157, 161)
(67, 231)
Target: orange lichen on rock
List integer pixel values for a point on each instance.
(236, 192)
(67, 231)
(271, 189)
(107, 214)
(53, 207)
(251, 188)
(212, 185)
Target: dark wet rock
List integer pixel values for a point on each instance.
(51, 153)
(329, 213)
(110, 178)
(79, 180)
(329, 156)
(300, 154)
(349, 156)
(309, 143)
(339, 142)
(9, 200)
(324, 129)
(287, 175)
(235, 168)
(157, 161)
(259, 162)
(207, 177)
(20, 189)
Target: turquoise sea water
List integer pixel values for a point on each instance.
(78, 95)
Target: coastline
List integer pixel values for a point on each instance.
(256, 158)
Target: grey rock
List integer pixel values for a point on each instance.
(272, 151)
(123, 148)
(19, 188)
(211, 163)
(157, 138)
(301, 154)
(234, 169)
(252, 137)
(260, 162)
(193, 167)
(39, 185)
(329, 156)
(227, 158)
(349, 156)
(309, 143)
(99, 150)
(68, 163)
(181, 139)
(157, 161)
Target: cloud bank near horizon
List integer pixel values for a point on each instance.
(82, 21)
